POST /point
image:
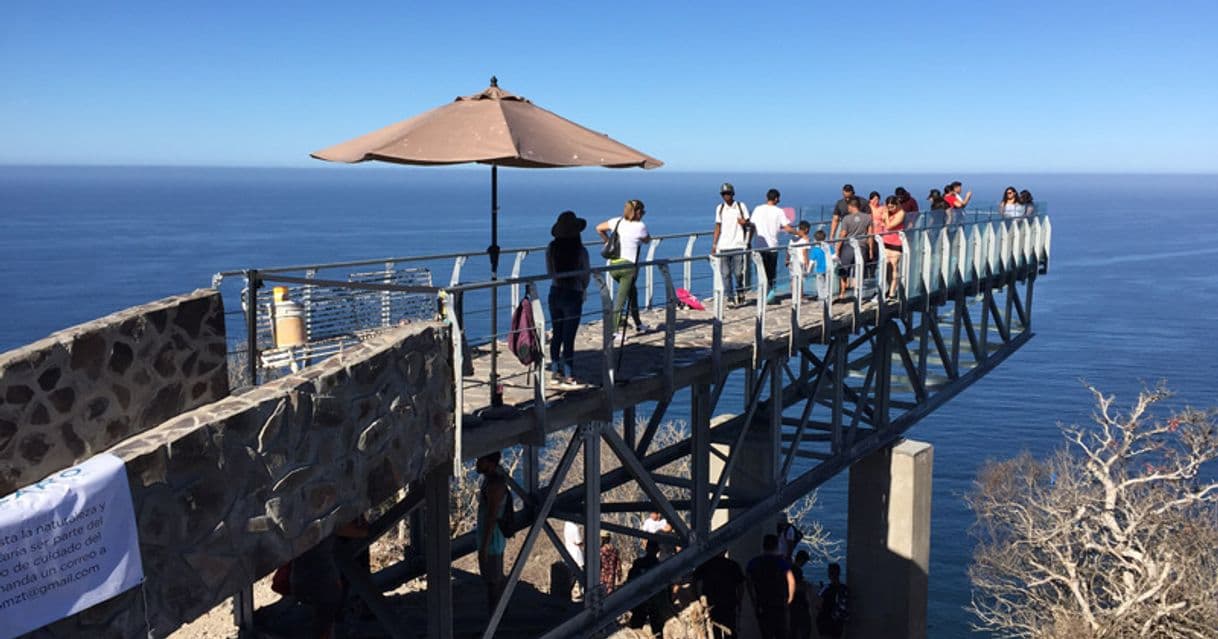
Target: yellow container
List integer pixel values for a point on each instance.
(289, 320)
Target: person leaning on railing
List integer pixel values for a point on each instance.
(632, 234)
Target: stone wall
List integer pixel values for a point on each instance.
(226, 493)
(85, 388)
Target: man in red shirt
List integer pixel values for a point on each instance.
(956, 202)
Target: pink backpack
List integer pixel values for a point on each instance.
(523, 340)
(688, 300)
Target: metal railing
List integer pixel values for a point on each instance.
(935, 262)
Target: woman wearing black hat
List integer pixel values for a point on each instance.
(566, 254)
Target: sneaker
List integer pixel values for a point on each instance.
(643, 327)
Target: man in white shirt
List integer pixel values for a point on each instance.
(769, 220)
(730, 240)
(573, 541)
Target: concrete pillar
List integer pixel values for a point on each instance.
(888, 541)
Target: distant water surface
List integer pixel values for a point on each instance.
(1131, 296)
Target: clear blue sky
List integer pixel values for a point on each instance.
(970, 85)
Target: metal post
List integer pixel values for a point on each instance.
(243, 612)
(438, 551)
(592, 514)
(493, 251)
(252, 283)
(630, 426)
(699, 422)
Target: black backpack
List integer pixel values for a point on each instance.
(507, 521)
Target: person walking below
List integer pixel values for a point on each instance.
(573, 541)
(801, 605)
(834, 605)
(492, 498)
(893, 224)
(611, 563)
(658, 609)
(631, 234)
(565, 254)
(732, 229)
(772, 588)
(721, 581)
(769, 220)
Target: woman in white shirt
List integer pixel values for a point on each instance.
(632, 234)
(1010, 207)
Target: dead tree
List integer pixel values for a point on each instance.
(1114, 535)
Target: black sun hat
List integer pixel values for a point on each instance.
(568, 225)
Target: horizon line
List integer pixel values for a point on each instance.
(473, 167)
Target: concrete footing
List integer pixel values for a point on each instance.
(888, 541)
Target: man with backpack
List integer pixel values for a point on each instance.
(834, 605)
(732, 230)
(493, 504)
(788, 537)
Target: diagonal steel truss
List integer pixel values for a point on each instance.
(855, 390)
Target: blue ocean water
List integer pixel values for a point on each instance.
(1131, 297)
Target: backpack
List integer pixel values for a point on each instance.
(507, 520)
(613, 248)
(523, 340)
(798, 537)
(841, 605)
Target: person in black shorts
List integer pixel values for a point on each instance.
(856, 225)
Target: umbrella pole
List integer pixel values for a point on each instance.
(493, 252)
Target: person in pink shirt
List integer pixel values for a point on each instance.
(894, 221)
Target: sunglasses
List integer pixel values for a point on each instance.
(727, 193)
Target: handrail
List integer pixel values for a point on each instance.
(992, 213)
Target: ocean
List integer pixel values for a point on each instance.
(1131, 297)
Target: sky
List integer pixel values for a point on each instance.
(936, 85)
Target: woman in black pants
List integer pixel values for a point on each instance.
(565, 254)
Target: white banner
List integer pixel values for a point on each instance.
(66, 543)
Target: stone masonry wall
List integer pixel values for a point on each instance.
(226, 493)
(85, 388)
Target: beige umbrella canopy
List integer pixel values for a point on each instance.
(497, 128)
(493, 127)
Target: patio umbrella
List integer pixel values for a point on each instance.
(497, 128)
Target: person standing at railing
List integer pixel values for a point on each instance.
(732, 228)
(908, 204)
(856, 225)
(631, 234)
(841, 210)
(956, 202)
(565, 254)
(1029, 207)
(878, 211)
(1009, 207)
(769, 220)
(893, 224)
(938, 209)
